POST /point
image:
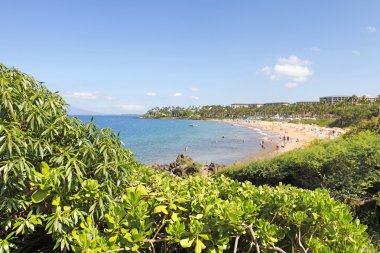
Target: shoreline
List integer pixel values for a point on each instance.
(290, 136)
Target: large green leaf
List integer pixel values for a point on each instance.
(199, 246)
(44, 168)
(39, 195)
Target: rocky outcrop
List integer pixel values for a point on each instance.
(184, 165)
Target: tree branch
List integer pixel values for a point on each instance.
(299, 241)
(156, 240)
(151, 241)
(115, 250)
(153, 249)
(367, 201)
(273, 248)
(162, 224)
(254, 241)
(250, 229)
(236, 242)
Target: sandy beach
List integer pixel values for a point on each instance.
(290, 135)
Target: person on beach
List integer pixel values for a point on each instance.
(278, 146)
(262, 144)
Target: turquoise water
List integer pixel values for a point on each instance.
(160, 140)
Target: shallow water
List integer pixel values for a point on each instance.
(160, 140)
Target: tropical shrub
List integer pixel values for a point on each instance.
(71, 187)
(372, 125)
(348, 167)
(354, 114)
(53, 169)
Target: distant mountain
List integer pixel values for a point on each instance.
(78, 111)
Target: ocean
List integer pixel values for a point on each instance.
(160, 140)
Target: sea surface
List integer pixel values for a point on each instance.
(160, 140)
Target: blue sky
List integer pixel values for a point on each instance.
(129, 56)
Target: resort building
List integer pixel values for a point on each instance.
(334, 99)
(307, 103)
(373, 100)
(330, 100)
(276, 104)
(235, 106)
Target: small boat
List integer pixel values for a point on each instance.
(193, 125)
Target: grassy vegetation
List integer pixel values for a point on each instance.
(70, 187)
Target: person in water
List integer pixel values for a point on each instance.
(262, 144)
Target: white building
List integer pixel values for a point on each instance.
(307, 103)
(235, 106)
(276, 104)
(334, 99)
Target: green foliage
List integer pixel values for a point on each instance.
(341, 114)
(51, 166)
(70, 187)
(352, 115)
(349, 167)
(372, 125)
(208, 214)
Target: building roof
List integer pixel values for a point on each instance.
(246, 104)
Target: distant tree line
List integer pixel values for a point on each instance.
(347, 112)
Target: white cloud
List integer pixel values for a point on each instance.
(293, 72)
(292, 68)
(194, 97)
(267, 70)
(129, 107)
(313, 49)
(355, 52)
(371, 29)
(177, 94)
(110, 98)
(194, 89)
(151, 94)
(82, 95)
(292, 60)
(291, 85)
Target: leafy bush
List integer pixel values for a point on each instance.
(53, 169)
(217, 214)
(372, 125)
(354, 114)
(349, 167)
(70, 187)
